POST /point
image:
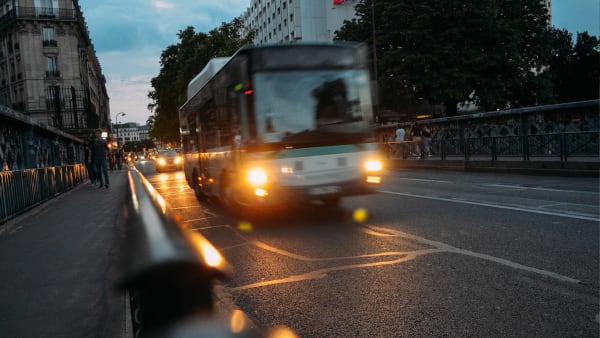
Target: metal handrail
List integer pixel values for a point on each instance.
(168, 269)
(21, 190)
(552, 145)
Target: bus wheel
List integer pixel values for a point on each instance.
(332, 202)
(198, 189)
(226, 194)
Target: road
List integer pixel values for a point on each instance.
(440, 254)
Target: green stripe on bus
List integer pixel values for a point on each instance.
(316, 151)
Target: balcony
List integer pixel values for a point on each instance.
(52, 74)
(38, 13)
(49, 43)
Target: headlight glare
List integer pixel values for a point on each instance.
(257, 177)
(373, 165)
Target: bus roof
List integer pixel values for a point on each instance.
(211, 69)
(214, 66)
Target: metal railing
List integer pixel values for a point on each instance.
(169, 269)
(20, 190)
(556, 146)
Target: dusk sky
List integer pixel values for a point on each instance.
(130, 35)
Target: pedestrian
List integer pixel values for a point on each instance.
(400, 133)
(119, 156)
(400, 145)
(100, 158)
(89, 164)
(416, 139)
(426, 139)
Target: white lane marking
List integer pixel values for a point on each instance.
(535, 211)
(424, 180)
(211, 227)
(179, 193)
(281, 252)
(321, 273)
(520, 187)
(177, 198)
(188, 207)
(198, 219)
(448, 248)
(438, 247)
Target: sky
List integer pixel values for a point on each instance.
(129, 36)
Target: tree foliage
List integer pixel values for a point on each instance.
(488, 52)
(574, 67)
(179, 64)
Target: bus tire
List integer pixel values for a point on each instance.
(332, 202)
(226, 192)
(200, 196)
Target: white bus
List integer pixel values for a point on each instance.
(281, 123)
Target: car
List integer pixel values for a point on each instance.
(168, 159)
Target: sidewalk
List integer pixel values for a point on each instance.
(58, 266)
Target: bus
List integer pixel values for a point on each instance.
(276, 124)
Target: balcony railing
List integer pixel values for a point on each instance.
(52, 74)
(49, 43)
(43, 13)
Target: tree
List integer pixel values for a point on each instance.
(574, 68)
(585, 68)
(179, 64)
(446, 51)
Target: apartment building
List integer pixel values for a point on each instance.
(48, 65)
(129, 132)
(277, 21)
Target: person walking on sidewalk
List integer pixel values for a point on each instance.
(100, 158)
(89, 163)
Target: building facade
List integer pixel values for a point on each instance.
(279, 21)
(129, 132)
(48, 65)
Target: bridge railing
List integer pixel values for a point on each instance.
(169, 270)
(555, 146)
(21, 190)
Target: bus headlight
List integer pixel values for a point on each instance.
(257, 177)
(373, 165)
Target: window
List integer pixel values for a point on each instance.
(48, 33)
(47, 8)
(52, 70)
(291, 17)
(49, 38)
(51, 63)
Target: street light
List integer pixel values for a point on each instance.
(117, 123)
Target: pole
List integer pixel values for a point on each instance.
(375, 76)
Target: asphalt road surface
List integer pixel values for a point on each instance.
(440, 254)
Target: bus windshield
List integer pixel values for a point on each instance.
(312, 106)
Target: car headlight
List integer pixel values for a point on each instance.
(257, 177)
(161, 161)
(373, 165)
(177, 160)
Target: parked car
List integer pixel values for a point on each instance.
(168, 159)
